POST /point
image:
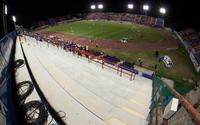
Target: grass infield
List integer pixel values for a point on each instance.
(182, 71)
(109, 31)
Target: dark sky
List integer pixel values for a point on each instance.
(181, 13)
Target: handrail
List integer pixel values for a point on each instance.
(186, 104)
(104, 60)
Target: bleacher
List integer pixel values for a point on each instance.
(50, 21)
(138, 19)
(144, 20)
(129, 18)
(191, 39)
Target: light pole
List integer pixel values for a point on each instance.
(5, 12)
(162, 11)
(14, 20)
(100, 6)
(130, 7)
(145, 8)
(93, 7)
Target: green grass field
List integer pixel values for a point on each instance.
(109, 31)
(182, 71)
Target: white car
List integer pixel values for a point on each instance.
(167, 60)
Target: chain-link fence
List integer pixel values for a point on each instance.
(162, 94)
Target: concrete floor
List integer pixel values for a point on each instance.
(88, 94)
(21, 74)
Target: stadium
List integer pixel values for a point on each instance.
(99, 68)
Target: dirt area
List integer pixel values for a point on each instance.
(167, 43)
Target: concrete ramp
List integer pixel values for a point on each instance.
(88, 94)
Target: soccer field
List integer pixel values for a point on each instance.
(109, 31)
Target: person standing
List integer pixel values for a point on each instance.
(140, 61)
(160, 59)
(156, 54)
(155, 67)
(97, 45)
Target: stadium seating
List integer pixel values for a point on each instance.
(52, 21)
(197, 56)
(144, 20)
(129, 18)
(56, 20)
(47, 22)
(61, 19)
(89, 16)
(41, 23)
(153, 21)
(36, 24)
(160, 22)
(191, 39)
(138, 19)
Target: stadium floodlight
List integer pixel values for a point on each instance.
(93, 7)
(162, 10)
(6, 10)
(146, 7)
(100, 6)
(14, 19)
(130, 6)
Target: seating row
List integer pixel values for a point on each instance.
(132, 18)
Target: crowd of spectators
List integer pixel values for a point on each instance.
(127, 17)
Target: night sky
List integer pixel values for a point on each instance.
(180, 14)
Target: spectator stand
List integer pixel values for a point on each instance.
(160, 22)
(144, 20)
(190, 38)
(106, 61)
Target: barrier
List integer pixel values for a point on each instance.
(128, 69)
(7, 111)
(147, 76)
(160, 100)
(102, 61)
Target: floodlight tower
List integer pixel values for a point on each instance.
(145, 8)
(14, 20)
(93, 7)
(162, 11)
(130, 7)
(5, 13)
(100, 6)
